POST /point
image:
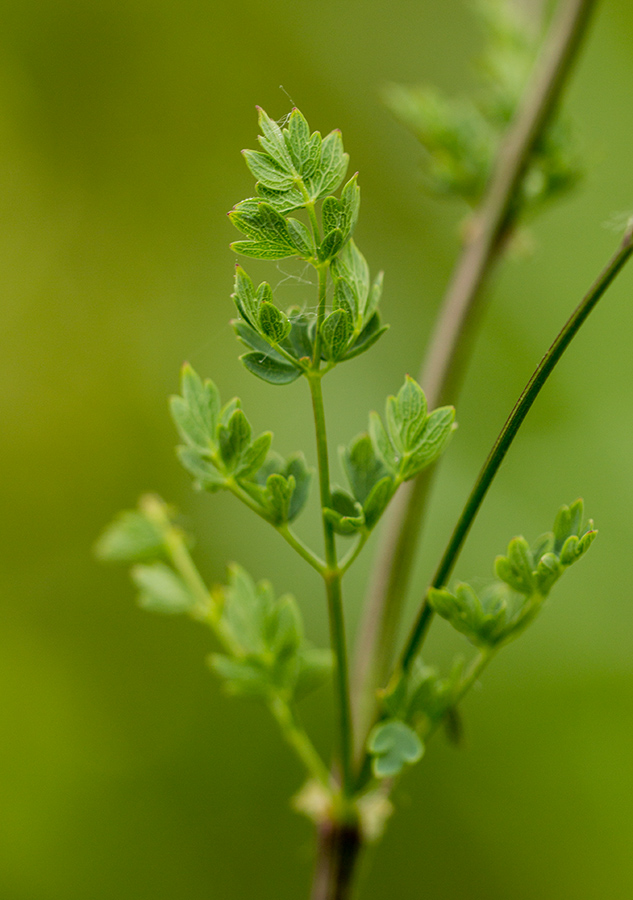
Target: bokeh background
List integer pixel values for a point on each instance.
(125, 770)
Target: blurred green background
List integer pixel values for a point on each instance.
(125, 771)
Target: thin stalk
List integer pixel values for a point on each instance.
(451, 341)
(506, 437)
(297, 738)
(332, 578)
(289, 536)
(322, 273)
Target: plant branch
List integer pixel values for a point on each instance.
(506, 437)
(450, 343)
(332, 577)
(302, 549)
(297, 738)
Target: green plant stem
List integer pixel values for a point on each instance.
(332, 578)
(297, 738)
(449, 348)
(355, 551)
(289, 536)
(507, 435)
(322, 273)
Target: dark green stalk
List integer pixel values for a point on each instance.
(450, 344)
(507, 435)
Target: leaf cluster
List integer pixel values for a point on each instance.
(526, 575)
(267, 652)
(295, 170)
(461, 137)
(378, 461)
(221, 452)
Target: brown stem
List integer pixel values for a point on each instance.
(450, 344)
(338, 848)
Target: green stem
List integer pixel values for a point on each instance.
(507, 435)
(332, 578)
(450, 345)
(322, 273)
(297, 738)
(284, 530)
(353, 554)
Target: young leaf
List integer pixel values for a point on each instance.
(377, 501)
(393, 745)
(336, 331)
(331, 244)
(279, 492)
(161, 590)
(253, 458)
(435, 436)
(383, 447)
(273, 323)
(362, 467)
(234, 438)
(367, 338)
(270, 369)
(244, 297)
(131, 537)
(207, 477)
(296, 468)
(273, 141)
(268, 171)
(411, 404)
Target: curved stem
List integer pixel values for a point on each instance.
(302, 549)
(297, 738)
(332, 578)
(507, 435)
(450, 344)
(353, 554)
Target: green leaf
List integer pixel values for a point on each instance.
(244, 297)
(301, 238)
(270, 369)
(393, 745)
(377, 501)
(283, 201)
(411, 404)
(131, 537)
(350, 204)
(243, 677)
(367, 338)
(435, 436)
(273, 142)
(254, 457)
(352, 265)
(252, 339)
(206, 474)
(296, 468)
(331, 244)
(297, 138)
(263, 249)
(274, 324)
(331, 168)
(331, 214)
(344, 298)
(336, 331)
(234, 438)
(161, 590)
(362, 467)
(345, 514)
(299, 341)
(279, 492)
(268, 171)
(196, 412)
(383, 447)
